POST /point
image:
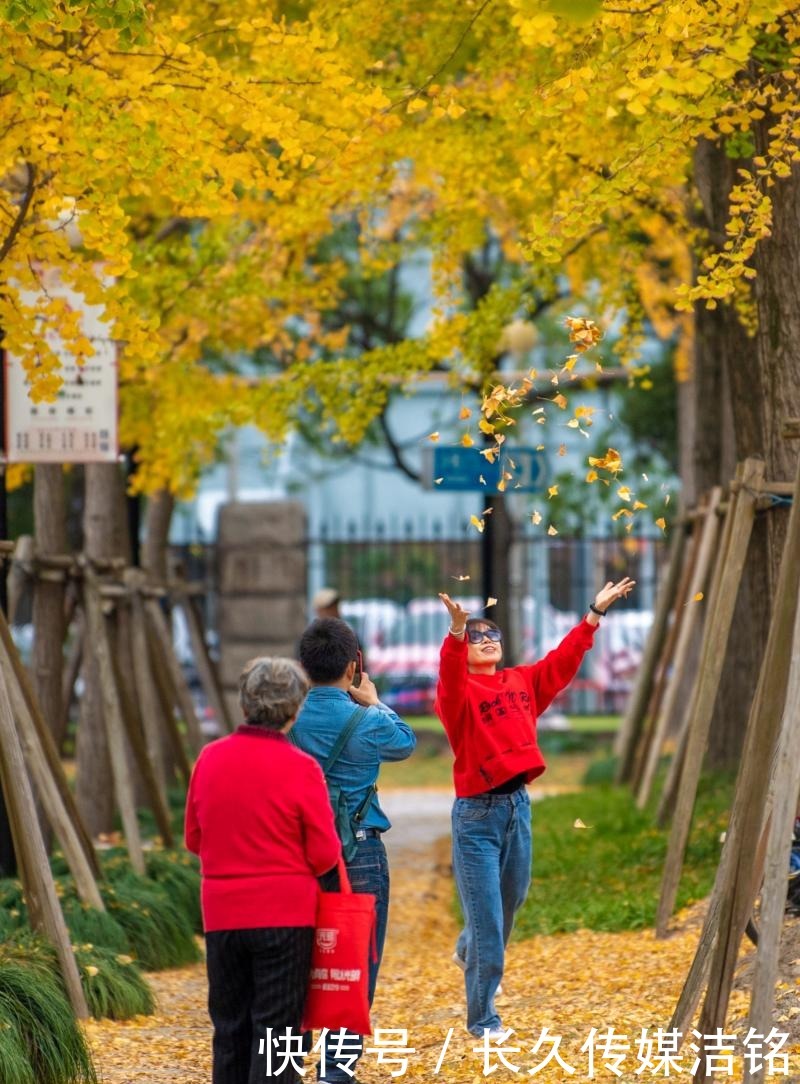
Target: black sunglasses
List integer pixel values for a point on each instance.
(476, 635)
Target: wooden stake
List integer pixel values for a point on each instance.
(158, 625)
(735, 886)
(785, 788)
(48, 746)
(205, 665)
(71, 672)
(709, 533)
(168, 699)
(115, 727)
(37, 879)
(715, 643)
(665, 662)
(632, 724)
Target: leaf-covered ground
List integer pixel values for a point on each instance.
(567, 983)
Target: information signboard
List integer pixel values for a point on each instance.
(466, 469)
(80, 426)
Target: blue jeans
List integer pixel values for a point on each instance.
(492, 867)
(368, 871)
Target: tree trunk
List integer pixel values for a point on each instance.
(104, 538)
(756, 383)
(50, 527)
(154, 549)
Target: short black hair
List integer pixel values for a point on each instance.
(326, 649)
(473, 622)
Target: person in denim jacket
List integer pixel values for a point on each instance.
(328, 653)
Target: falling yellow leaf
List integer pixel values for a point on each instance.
(611, 461)
(434, 437)
(551, 530)
(539, 410)
(624, 493)
(592, 476)
(569, 364)
(662, 523)
(438, 481)
(578, 823)
(482, 480)
(487, 511)
(562, 449)
(645, 478)
(465, 412)
(461, 579)
(698, 597)
(477, 523)
(561, 401)
(490, 602)
(540, 447)
(489, 453)
(552, 492)
(638, 506)
(536, 518)
(573, 423)
(467, 440)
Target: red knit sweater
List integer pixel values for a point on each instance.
(259, 816)
(490, 719)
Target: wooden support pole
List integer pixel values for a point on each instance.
(205, 665)
(158, 626)
(670, 791)
(37, 879)
(785, 788)
(151, 707)
(134, 728)
(735, 886)
(631, 728)
(715, 644)
(168, 699)
(47, 745)
(112, 712)
(665, 662)
(71, 671)
(708, 539)
(47, 789)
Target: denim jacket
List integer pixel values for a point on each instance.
(380, 735)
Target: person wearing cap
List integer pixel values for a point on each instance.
(328, 652)
(489, 715)
(325, 602)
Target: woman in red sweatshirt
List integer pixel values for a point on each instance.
(490, 719)
(259, 816)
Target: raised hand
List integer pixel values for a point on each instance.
(458, 615)
(609, 594)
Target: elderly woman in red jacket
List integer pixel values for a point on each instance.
(258, 815)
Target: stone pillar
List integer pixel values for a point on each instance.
(262, 585)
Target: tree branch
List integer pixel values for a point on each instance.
(394, 449)
(24, 207)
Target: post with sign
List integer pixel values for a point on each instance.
(467, 470)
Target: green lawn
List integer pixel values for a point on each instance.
(607, 876)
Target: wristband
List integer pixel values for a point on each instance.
(459, 634)
(594, 609)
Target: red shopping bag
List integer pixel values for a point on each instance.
(344, 943)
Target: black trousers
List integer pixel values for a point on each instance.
(257, 980)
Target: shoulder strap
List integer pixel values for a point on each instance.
(343, 738)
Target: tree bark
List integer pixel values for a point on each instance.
(154, 548)
(103, 539)
(50, 534)
(737, 413)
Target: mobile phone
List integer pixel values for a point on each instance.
(359, 668)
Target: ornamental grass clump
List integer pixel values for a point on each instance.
(37, 1021)
(114, 986)
(159, 932)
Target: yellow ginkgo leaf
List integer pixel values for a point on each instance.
(578, 823)
(465, 412)
(698, 597)
(552, 492)
(490, 602)
(433, 437)
(536, 518)
(479, 524)
(662, 523)
(467, 441)
(551, 530)
(460, 579)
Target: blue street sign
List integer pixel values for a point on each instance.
(463, 468)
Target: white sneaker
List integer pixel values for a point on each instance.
(497, 1035)
(463, 965)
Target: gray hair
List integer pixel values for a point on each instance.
(271, 691)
